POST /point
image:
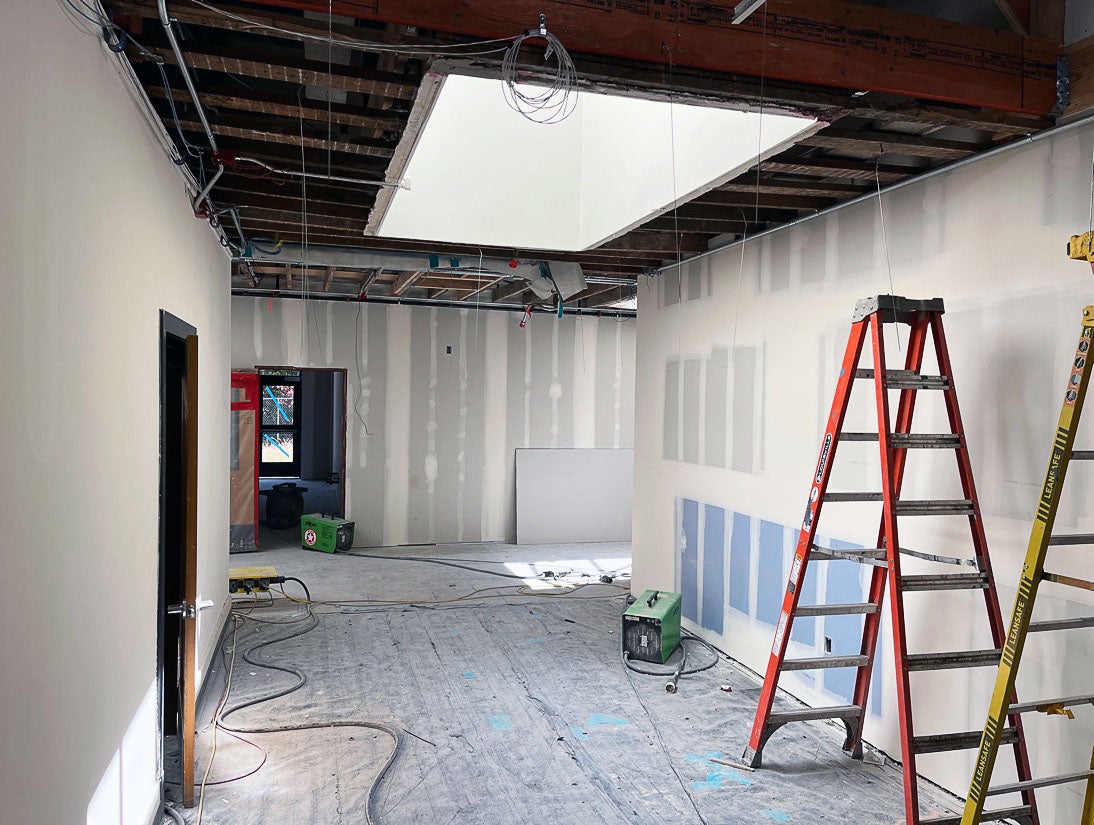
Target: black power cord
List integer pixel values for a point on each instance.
(671, 669)
(301, 680)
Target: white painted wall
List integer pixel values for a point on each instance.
(638, 156)
(989, 239)
(97, 237)
(572, 184)
(432, 434)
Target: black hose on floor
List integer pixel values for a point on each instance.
(674, 670)
(302, 679)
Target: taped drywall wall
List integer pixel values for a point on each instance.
(988, 239)
(440, 399)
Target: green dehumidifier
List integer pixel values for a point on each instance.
(651, 626)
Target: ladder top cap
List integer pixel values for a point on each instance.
(895, 308)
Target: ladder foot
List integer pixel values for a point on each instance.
(852, 745)
(753, 758)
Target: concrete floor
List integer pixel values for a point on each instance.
(516, 710)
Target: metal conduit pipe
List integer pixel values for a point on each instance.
(309, 175)
(998, 150)
(385, 299)
(165, 21)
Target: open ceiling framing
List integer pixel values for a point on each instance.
(901, 95)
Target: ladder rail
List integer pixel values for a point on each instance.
(889, 464)
(1032, 570)
(913, 361)
(806, 539)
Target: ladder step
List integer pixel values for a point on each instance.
(957, 581)
(908, 380)
(946, 661)
(939, 559)
(967, 740)
(869, 556)
(823, 662)
(1042, 782)
(1074, 538)
(852, 497)
(1061, 624)
(810, 714)
(1063, 701)
(834, 609)
(905, 441)
(1082, 455)
(1070, 581)
(1021, 814)
(934, 507)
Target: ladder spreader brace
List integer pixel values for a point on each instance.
(1021, 623)
(895, 442)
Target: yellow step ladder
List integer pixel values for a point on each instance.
(1003, 707)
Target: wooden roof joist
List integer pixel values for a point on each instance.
(297, 72)
(821, 42)
(721, 197)
(874, 142)
(828, 167)
(284, 106)
(748, 185)
(268, 135)
(292, 27)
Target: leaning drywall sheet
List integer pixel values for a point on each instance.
(574, 495)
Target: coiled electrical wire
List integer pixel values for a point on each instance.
(552, 103)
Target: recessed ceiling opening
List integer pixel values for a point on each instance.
(482, 174)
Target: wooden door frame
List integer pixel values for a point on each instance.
(345, 414)
(173, 327)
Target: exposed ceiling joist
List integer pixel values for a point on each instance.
(269, 135)
(823, 42)
(298, 72)
(1017, 14)
(837, 168)
(874, 142)
(1081, 64)
(284, 106)
(405, 282)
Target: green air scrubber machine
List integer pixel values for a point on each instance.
(651, 626)
(327, 533)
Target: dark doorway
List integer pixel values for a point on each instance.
(178, 549)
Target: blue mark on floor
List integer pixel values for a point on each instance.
(775, 815)
(500, 722)
(578, 733)
(600, 720)
(535, 641)
(469, 674)
(716, 775)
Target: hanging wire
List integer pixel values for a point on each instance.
(885, 236)
(553, 103)
(756, 209)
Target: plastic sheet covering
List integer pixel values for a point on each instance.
(243, 507)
